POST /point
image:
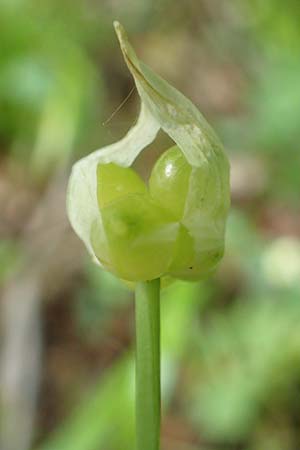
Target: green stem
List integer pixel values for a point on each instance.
(147, 307)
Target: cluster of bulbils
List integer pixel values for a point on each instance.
(174, 225)
(144, 226)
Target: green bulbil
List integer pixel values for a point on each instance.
(140, 236)
(190, 195)
(169, 181)
(116, 181)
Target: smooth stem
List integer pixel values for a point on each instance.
(147, 307)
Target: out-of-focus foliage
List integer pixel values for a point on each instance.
(231, 345)
(47, 80)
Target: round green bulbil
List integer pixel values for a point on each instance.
(169, 181)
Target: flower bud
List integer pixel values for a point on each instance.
(175, 225)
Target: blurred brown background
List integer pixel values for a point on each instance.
(230, 345)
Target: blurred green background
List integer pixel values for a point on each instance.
(230, 345)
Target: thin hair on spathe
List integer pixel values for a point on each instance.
(119, 107)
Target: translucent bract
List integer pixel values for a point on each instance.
(174, 226)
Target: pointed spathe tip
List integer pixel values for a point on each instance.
(116, 24)
(119, 29)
